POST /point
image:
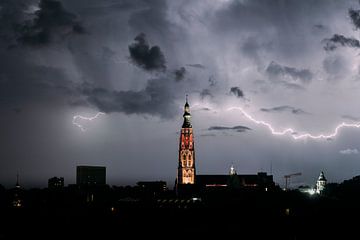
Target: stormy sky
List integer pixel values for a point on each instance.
(289, 63)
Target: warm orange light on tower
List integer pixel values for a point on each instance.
(186, 168)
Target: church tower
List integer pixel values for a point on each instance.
(186, 168)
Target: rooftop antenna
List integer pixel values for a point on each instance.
(17, 181)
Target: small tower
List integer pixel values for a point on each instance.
(232, 170)
(186, 167)
(320, 183)
(233, 180)
(17, 185)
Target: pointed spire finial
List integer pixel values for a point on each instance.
(17, 181)
(232, 170)
(186, 97)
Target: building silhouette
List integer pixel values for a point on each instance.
(186, 167)
(90, 175)
(17, 194)
(56, 183)
(259, 181)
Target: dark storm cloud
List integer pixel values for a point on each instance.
(156, 99)
(276, 70)
(237, 92)
(235, 128)
(284, 109)
(100, 8)
(24, 82)
(196, 65)
(146, 57)
(11, 14)
(355, 17)
(153, 19)
(50, 21)
(350, 117)
(180, 74)
(34, 83)
(339, 40)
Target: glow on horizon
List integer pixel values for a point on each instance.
(76, 117)
(292, 132)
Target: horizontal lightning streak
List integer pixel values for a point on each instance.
(292, 132)
(76, 117)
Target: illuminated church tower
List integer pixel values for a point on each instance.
(186, 168)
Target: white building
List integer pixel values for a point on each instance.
(320, 183)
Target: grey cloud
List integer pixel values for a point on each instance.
(212, 81)
(207, 135)
(336, 66)
(291, 86)
(284, 109)
(350, 117)
(146, 57)
(319, 27)
(206, 93)
(276, 70)
(235, 128)
(252, 48)
(196, 65)
(180, 74)
(332, 43)
(237, 92)
(355, 17)
(349, 151)
(50, 21)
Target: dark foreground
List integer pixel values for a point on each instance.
(108, 213)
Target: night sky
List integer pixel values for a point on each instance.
(289, 63)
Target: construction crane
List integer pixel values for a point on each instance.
(287, 178)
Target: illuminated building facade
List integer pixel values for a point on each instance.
(186, 167)
(321, 183)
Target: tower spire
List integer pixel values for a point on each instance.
(17, 181)
(187, 115)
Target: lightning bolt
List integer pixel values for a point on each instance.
(76, 117)
(292, 132)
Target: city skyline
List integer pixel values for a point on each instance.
(104, 84)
